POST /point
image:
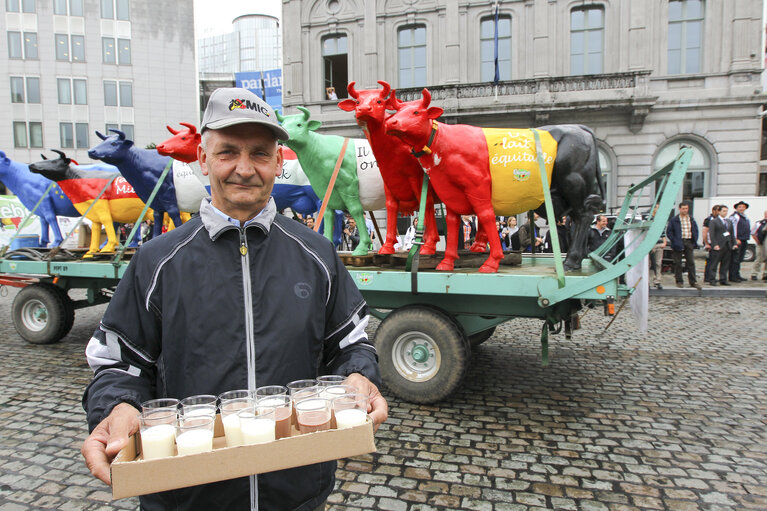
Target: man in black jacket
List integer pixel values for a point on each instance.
(741, 226)
(238, 297)
(598, 234)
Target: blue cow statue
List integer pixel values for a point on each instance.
(142, 168)
(29, 187)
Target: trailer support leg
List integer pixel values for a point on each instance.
(545, 343)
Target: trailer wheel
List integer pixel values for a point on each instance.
(423, 354)
(40, 314)
(69, 308)
(480, 337)
(750, 255)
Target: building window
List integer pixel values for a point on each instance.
(487, 48)
(30, 45)
(62, 47)
(14, 45)
(75, 7)
(66, 135)
(78, 48)
(685, 36)
(411, 50)
(586, 40)
(110, 93)
(123, 52)
(19, 134)
(35, 134)
(108, 50)
(17, 89)
(33, 90)
(128, 130)
(762, 184)
(696, 181)
(80, 87)
(110, 7)
(81, 135)
(12, 5)
(126, 94)
(335, 64)
(64, 87)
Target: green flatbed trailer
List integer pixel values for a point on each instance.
(425, 337)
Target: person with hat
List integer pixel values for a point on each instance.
(742, 227)
(237, 297)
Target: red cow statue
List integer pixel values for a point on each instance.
(182, 146)
(475, 170)
(400, 170)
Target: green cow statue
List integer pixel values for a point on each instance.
(358, 187)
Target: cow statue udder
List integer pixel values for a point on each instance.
(489, 172)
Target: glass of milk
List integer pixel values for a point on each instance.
(158, 433)
(257, 424)
(271, 390)
(330, 379)
(166, 403)
(229, 410)
(350, 410)
(194, 433)
(282, 413)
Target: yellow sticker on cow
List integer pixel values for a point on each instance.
(514, 168)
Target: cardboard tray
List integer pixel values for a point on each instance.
(132, 476)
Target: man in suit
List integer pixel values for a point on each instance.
(721, 236)
(742, 228)
(682, 233)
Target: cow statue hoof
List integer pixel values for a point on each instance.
(360, 251)
(478, 247)
(572, 265)
(446, 265)
(490, 266)
(387, 248)
(429, 249)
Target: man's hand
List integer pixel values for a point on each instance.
(378, 408)
(108, 438)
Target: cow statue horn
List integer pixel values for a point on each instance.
(278, 116)
(43, 156)
(121, 134)
(192, 127)
(352, 91)
(172, 131)
(306, 112)
(394, 100)
(386, 88)
(60, 153)
(426, 98)
(102, 137)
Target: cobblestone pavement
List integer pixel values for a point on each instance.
(673, 419)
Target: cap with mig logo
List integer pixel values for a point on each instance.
(232, 105)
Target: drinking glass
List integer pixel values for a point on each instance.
(350, 410)
(158, 432)
(313, 414)
(194, 434)
(229, 410)
(282, 413)
(257, 424)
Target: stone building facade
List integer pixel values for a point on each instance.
(645, 75)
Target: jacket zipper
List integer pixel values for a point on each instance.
(250, 348)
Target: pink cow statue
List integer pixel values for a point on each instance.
(400, 170)
(489, 172)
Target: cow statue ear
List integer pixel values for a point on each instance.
(347, 105)
(313, 125)
(434, 112)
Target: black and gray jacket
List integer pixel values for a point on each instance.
(211, 307)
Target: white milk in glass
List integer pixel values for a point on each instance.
(257, 431)
(232, 430)
(350, 417)
(194, 441)
(158, 441)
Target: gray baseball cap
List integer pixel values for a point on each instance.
(232, 105)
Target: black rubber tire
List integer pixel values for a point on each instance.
(69, 308)
(450, 361)
(480, 337)
(750, 255)
(51, 325)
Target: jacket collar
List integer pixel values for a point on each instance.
(215, 224)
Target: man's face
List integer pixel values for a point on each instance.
(242, 162)
(723, 212)
(684, 209)
(310, 222)
(352, 223)
(602, 222)
(741, 208)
